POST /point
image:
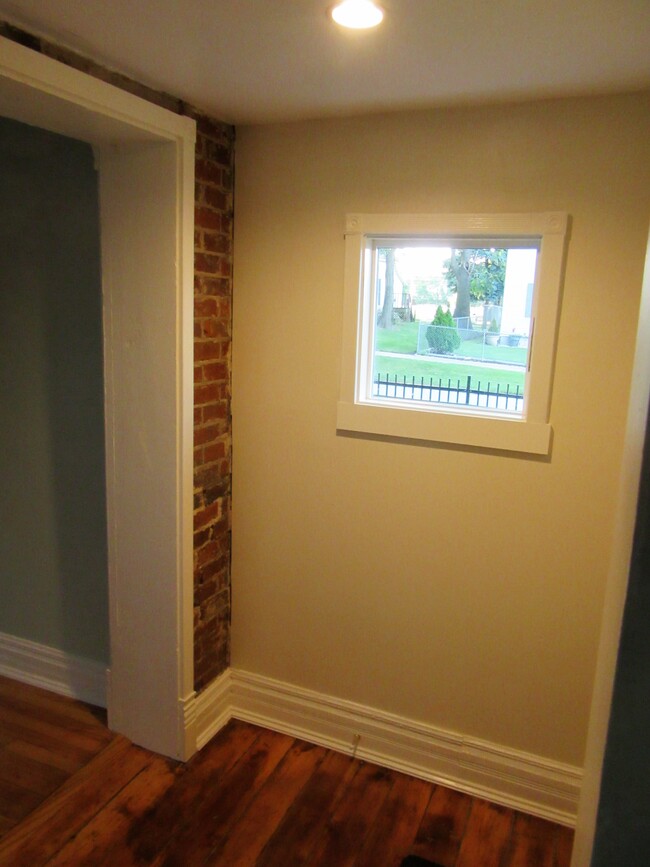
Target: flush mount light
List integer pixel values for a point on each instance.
(357, 14)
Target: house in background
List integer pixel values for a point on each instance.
(462, 643)
(518, 292)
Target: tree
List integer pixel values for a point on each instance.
(442, 334)
(475, 275)
(386, 318)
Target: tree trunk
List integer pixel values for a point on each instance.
(386, 319)
(462, 275)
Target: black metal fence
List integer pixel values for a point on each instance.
(463, 394)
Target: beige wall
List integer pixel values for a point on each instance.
(457, 587)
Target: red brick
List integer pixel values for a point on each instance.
(205, 350)
(203, 435)
(207, 219)
(206, 393)
(213, 130)
(203, 592)
(226, 225)
(207, 306)
(207, 554)
(207, 515)
(207, 285)
(218, 152)
(213, 327)
(208, 172)
(216, 199)
(214, 411)
(200, 538)
(216, 243)
(215, 371)
(209, 263)
(213, 452)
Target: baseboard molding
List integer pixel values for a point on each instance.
(505, 776)
(515, 779)
(53, 669)
(213, 708)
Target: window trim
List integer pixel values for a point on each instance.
(531, 433)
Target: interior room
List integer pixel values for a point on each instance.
(225, 546)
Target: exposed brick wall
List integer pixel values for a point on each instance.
(213, 232)
(212, 335)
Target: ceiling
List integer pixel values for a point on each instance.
(258, 61)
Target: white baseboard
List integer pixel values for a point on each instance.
(505, 776)
(53, 669)
(213, 708)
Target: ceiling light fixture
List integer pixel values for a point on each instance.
(357, 14)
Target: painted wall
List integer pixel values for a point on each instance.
(53, 561)
(479, 609)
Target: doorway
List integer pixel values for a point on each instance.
(145, 157)
(54, 580)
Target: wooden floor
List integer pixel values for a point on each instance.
(73, 794)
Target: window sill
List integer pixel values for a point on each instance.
(466, 429)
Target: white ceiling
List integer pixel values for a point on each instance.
(255, 61)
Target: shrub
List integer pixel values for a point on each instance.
(442, 334)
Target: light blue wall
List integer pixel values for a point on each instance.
(623, 828)
(53, 562)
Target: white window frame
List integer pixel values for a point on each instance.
(358, 411)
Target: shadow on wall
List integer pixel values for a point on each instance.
(53, 558)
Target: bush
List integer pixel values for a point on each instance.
(442, 334)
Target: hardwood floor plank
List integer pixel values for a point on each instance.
(346, 832)
(62, 815)
(56, 744)
(397, 823)
(563, 847)
(487, 835)
(53, 758)
(150, 832)
(248, 836)
(29, 773)
(39, 731)
(222, 805)
(102, 842)
(17, 802)
(41, 701)
(442, 828)
(250, 798)
(6, 825)
(305, 820)
(532, 844)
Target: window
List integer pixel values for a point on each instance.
(449, 327)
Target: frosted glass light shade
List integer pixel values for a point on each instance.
(357, 14)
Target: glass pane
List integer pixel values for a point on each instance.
(453, 325)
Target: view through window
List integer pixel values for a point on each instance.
(453, 324)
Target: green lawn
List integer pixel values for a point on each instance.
(420, 367)
(399, 338)
(404, 338)
(507, 354)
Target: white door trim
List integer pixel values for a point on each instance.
(146, 164)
